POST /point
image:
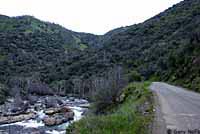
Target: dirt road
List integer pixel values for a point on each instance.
(177, 110)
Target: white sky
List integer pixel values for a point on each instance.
(93, 16)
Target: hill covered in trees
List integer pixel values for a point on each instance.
(32, 50)
(165, 47)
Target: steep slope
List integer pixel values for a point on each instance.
(166, 46)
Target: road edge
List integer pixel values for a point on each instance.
(159, 125)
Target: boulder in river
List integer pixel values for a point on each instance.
(49, 121)
(58, 119)
(63, 109)
(58, 116)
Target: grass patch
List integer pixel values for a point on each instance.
(132, 115)
(83, 47)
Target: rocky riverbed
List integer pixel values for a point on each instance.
(41, 115)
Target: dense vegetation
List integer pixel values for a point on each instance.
(166, 47)
(38, 54)
(47, 56)
(131, 115)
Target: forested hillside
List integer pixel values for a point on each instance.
(165, 47)
(32, 50)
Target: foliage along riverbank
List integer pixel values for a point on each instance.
(132, 114)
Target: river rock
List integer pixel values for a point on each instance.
(51, 102)
(49, 121)
(58, 116)
(69, 116)
(11, 109)
(58, 119)
(20, 109)
(65, 109)
(51, 111)
(17, 118)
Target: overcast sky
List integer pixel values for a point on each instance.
(93, 16)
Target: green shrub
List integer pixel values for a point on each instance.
(124, 118)
(154, 78)
(134, 76)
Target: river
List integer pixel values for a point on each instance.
(37, 126)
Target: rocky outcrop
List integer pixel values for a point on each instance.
(16, 118)
(52, 111)
(56, 116)
(10, 108)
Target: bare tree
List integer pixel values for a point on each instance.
(106, 89)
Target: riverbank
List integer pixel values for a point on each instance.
(132, 114)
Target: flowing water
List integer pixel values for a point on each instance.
(36, 126)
